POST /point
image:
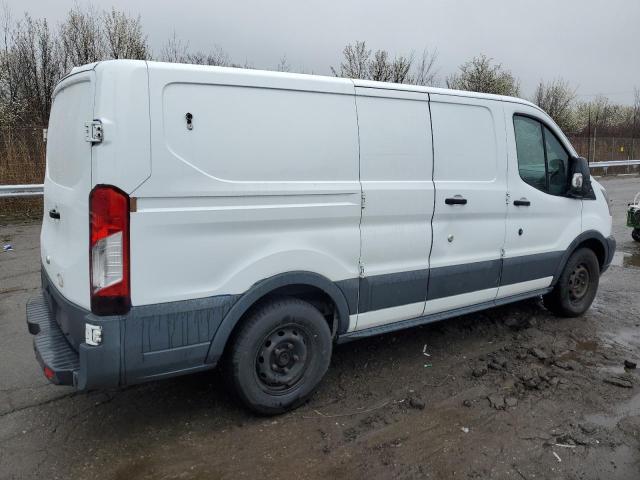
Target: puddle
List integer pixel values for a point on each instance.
(615, 370)
(628, 408)
(587, 346)
(624, 259)
(628, 338)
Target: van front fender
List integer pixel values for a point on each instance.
(604, 248)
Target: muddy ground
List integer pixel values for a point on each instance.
(510, 393)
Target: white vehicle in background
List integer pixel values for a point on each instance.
(199, 214)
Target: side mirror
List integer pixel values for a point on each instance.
(580, 179)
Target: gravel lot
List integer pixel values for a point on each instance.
(511, 393)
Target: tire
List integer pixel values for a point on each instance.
(577, 286)
(279, 355)
(635, 234)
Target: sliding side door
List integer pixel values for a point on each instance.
(470, 177)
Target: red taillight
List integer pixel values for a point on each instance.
(109, 251)
(49, 373)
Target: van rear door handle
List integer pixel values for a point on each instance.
(457, 200)
(522, 202)
(53, 213)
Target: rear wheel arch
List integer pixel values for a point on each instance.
(311, 287)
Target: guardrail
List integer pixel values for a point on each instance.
(614, 163)
(37, 190)
(33, 190)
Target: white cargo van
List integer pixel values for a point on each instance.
(197, 215)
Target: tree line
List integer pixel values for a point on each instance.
(35, 55)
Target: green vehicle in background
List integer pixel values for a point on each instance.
(633, 217)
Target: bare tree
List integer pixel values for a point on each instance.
(480, 74)
(426, 72)
(635, 123)
(355, 63)
(81, 37)
(400, 69)
(358, 63)
(595, 117)
(380, 68)
(123, 36)
(283, 65)
(41, 67)
(557, 98)
(12, 104)
(216, 57)
(34, 56)
(175, 50)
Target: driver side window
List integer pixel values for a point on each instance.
(543, 162)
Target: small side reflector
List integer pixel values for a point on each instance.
(49, 373)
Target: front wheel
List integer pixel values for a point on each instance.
(635, 234)
(280, 355)
(577, 286)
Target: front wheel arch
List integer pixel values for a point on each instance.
(590, 239)
(577, 286)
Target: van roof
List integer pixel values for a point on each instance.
(312, 82)
(440, 91)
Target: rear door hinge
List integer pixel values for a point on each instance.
(361, 267)
(363, 199)
(507, 198)
(93, 131)
(502, 253)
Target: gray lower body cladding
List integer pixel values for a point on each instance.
(149, 342)
(170, 339)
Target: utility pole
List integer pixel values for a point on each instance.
(589, 137)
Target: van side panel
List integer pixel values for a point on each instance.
(396, 163)
(265, 182)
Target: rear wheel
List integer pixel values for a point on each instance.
(577, 286)
(280, 355)
(635, 233)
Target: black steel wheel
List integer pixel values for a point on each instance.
(577, 286)
(635, 234)
(282, 358)
(578, 283)
(279, 355)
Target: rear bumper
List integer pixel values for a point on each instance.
(58, 329)
(53, 352)
(149, 342)
(611, 250)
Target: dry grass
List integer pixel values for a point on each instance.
(22, 161)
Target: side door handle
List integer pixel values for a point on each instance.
(53, 213)
(523, 202)
(457, 200)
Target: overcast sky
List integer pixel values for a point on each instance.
(592, 43)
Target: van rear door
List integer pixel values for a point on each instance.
(64, 238)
